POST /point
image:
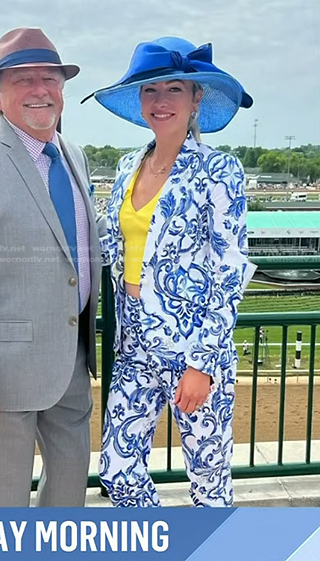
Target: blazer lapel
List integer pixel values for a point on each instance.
(133, 165)
(120, 190)
(180, 172)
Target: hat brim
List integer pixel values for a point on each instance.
(69, 70)
(222, 97)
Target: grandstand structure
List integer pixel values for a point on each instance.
(283, 233)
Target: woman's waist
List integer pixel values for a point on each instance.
(132, 289)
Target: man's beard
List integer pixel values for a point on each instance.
(42, 119)
(38, 123)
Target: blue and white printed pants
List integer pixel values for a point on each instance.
(140, 388)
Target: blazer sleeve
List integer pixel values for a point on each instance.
(226, 262)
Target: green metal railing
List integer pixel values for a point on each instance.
(105, 325)
(284, 320)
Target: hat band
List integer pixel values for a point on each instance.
(30, 55)
(149, 74)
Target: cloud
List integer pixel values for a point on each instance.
(272, 47)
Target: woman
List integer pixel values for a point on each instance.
(177, 248)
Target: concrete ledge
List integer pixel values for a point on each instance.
(269, 492)
(300, 491)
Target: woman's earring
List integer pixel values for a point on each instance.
(193, 114)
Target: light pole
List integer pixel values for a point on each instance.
(255, 124)
(289, 138)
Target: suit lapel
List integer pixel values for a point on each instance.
(82, 182)
(24, 164)
(81, 179)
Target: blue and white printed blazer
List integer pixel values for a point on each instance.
(195, 258)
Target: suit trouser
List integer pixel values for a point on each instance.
(63, 437)
(140, 388)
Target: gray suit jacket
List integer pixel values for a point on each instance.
(38, 299)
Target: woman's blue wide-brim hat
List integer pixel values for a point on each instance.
(170, 58)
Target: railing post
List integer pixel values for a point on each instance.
(282, 392)
(107, 326)
(254, 395)
(107, 337)
(310, 392)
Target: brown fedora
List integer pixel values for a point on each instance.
(30, 47)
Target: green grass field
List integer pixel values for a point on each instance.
(255, 285)
(261, 286)
(256, 304)
(273, 347)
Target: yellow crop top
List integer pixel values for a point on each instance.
(134, 226)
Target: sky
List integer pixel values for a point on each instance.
(271, 46)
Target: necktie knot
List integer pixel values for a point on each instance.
(51, 150)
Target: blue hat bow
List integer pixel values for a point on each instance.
(169, 57)
(195, 61)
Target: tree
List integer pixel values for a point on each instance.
(256, 205)
(107, 156)
(224, 148)
(304, 160)
(273, 161)
(240, 152)
(314, 171)
(251, 156)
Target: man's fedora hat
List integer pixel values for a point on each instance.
(171, 58)
(29, 47)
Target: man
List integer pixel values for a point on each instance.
(245, 347)
(261, 335)
(49, 280)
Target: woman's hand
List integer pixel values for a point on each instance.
(192, 390)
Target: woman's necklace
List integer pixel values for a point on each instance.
(162, 170)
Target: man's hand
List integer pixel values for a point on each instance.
(192, 390)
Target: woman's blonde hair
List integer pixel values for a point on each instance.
(193, 126)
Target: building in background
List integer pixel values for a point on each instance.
(283, 233)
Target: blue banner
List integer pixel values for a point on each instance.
(169, 534)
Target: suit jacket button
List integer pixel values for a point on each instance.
(72, 321)
(73, 281)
